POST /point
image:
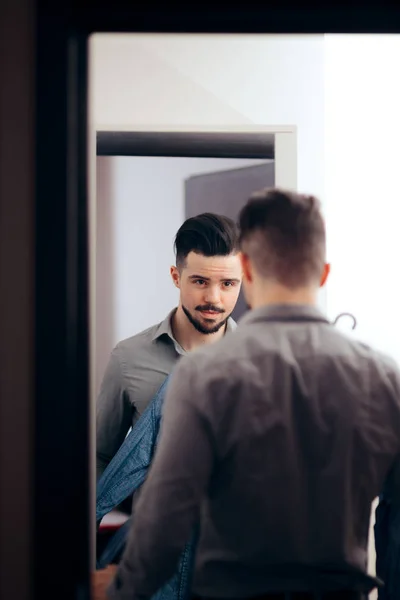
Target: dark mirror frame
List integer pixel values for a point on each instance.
(53, 460)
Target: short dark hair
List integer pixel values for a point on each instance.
(283, 233)
(208, 234)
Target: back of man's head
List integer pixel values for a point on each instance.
(283, 234)
(207, 234)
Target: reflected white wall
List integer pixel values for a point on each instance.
(362, 183)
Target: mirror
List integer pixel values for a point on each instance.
(330, 102)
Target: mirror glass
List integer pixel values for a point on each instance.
(330, 102)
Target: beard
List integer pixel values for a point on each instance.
(200, 326)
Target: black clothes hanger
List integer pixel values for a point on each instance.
(346, 314)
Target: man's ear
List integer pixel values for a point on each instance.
(325, 274)
(176, 276)
(246, 267)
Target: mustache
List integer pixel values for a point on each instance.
(206, 307)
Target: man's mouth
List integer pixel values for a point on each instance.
(210, 313)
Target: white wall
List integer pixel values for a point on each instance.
(362, 191)
(140, 207)
(362, 177)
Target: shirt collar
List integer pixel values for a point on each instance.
(230, 325)
(164, 328)
(284, 312)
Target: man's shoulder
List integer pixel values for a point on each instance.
(143, 339)
(211, 375)
(386, 362)
(378, 368)
(219, 358)
(374, 355)
(237, 348)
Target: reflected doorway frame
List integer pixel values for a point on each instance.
(276, 142)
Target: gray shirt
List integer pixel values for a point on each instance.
(136, 370)
(277, 438)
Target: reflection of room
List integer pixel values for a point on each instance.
(188, 83)
(340, 94)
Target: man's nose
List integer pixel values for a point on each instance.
(212, 295)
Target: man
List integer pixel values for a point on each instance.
(277, 438)
(208, 276)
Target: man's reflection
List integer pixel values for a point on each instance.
(208, 276)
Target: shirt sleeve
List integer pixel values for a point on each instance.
(113, 414)
(168, 507)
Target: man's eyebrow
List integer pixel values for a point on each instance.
(199, 277)
(208, 278)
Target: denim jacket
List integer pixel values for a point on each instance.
(124, 475)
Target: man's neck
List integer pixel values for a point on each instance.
(276, 295)
(187, 335)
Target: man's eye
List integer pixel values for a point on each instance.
(229, 283)
(199, 282)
